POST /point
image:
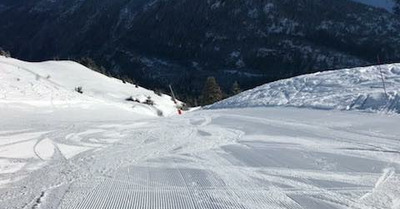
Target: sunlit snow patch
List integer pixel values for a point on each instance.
(19, 150)
(45, 149)
(347, 89)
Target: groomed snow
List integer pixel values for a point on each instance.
(347, 89)
(227, 159)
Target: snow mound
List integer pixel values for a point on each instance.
(53, 83)
(347, 89)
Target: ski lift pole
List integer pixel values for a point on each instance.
(173, 95)
(174, 98)
(382, 77)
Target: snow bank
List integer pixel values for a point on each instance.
(347, 89)
(53, 83)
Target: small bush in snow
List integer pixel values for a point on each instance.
(5, 53)
(183, 107)
(79, 89)
(131, 99)
(149, 101)
(126, 79)
(158, 92)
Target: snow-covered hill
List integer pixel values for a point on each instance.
(191, 39)
(53, 83)
(347, 89)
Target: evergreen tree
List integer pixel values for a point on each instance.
(397, 7)
(211, 92)
(235, 88)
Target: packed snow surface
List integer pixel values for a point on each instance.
(240, 158)
(53, 83)
(347, 89)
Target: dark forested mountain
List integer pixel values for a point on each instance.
(158, 42)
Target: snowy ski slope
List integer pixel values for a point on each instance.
(347, 89)
(253, 158)
(53, 83)
(62, 149)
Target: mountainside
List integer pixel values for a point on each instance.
(348, 89)
(158, 42)
(55, 84)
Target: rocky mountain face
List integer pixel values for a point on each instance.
(158, 42)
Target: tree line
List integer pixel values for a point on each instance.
(212, 91)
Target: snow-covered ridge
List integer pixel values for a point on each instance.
(53, 83)
(347, 89)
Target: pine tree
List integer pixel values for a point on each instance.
(397, 7)
(235, 88)
(211, 92)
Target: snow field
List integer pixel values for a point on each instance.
(62, 149)
(53, 83)
(242, 158)
(347, 89)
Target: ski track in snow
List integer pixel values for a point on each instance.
(236, 159)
